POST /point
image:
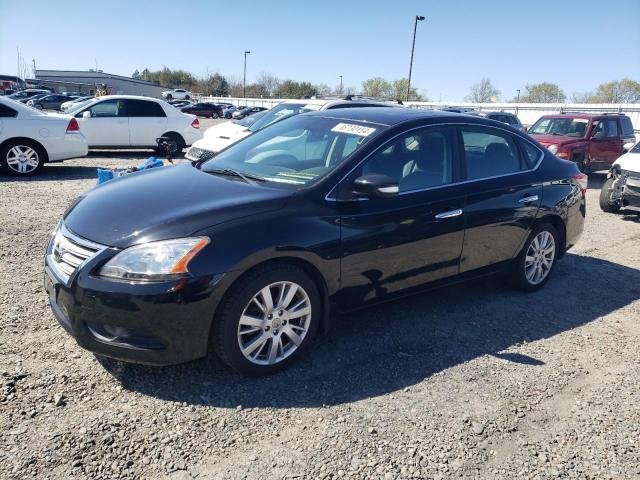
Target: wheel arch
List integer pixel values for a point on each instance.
(560, 227)
(29, 140)
(173, 132)
(305, 265)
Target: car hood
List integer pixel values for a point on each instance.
(164, 203)
(629, 161)
(556, 139)
(221, 136)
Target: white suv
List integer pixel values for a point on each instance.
(128, 121)
(176, 94)
(224, 134)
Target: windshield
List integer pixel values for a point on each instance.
(78, 105)
(280, 112)
(636, 148)
(570, 127)
(298, 151)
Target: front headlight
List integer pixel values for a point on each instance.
(154, 261)
(553, 148)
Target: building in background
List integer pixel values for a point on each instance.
(92, 83)
(10, 82)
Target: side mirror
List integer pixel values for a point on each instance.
(86, 114)
(376, 186)
(628, 146)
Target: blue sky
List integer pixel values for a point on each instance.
(575, 43)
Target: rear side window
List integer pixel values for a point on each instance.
(612, 128)
(143, 108)
(489, 153)
(532, 153)
(7, 112)
(512, 120)
(627, 126)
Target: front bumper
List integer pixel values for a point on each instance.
(154, 323)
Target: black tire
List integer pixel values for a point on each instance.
(187, 97)
(519, 277)
(180, 143)
(169, 97)
(8, 146)
(605, 198)
(224, 337)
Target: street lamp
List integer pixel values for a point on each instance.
(341, 92)
(244, 80)
(413, 46)
(518, 97)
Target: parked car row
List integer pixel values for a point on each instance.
(30, 138)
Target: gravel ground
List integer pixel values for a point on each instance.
(472, 381)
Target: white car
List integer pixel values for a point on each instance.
(176, 94)
(71, 104)
(224, 134)
(29, 138)
(128, 121)
(622, 187)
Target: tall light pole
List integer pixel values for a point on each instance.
(518, 97)
(244, 81)
(413, 47)
(341, 90)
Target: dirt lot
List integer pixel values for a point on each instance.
(473, 381)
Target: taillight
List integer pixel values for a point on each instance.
(582, 180)
(73, 126)
(195, 123)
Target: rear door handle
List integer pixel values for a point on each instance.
(449, 214)
(529, 199)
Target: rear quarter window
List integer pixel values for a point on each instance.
(7, 112)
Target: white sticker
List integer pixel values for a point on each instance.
(353, 129)
(312, 107)
(581, 120)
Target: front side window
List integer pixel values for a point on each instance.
(627, 126)
(570, 127)
(417, 160)
(489, 153)
(298, 151)
(108, 108)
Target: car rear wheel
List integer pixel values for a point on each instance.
(187, 97)
(22, 158)
(537, 259)
(267, 320)
(169, 97)
(606, 205)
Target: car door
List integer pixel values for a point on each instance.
(503, 194)
(606, 143)
(147, 121)
(392, 244)
(105, 124)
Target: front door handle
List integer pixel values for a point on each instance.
(529, 199)
(449, 214)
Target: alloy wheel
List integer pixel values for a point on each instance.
(22, 159)
(274, 323)
(540, 256)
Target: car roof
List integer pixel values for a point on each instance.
(128, 97)
(583, 115)
(389, 116)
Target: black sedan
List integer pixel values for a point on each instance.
(209, 110)
(250, 253)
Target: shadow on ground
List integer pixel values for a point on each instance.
(387, 348)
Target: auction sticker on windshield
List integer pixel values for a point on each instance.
(353, 129)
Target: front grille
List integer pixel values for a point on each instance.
(195, 153)
(67, 252)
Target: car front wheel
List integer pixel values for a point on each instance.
(267, 320)
(537, 259)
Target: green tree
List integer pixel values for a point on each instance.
(399, 90)
(294, 89)
(215, 85)
(617, 91)
(483, 92)
(544, 92)
(377, 87)
(136, 75)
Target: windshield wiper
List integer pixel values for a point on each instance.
(247, 177)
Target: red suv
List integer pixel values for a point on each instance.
(592, 141)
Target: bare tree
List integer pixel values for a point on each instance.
(269, 82)
(483, 92)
